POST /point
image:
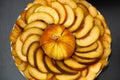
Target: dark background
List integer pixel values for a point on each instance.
(9, 11)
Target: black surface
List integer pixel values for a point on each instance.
(9, 11)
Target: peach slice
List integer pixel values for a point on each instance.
(61, 11)
(36, 24)
(89, 39)
(73, 64)
(29, 32)
(79, 18)
(64, 69)
(28, 42)
(50, 66)
(70, 16)
(18, 49)
(87, 26)
(36, 74)
(68, 77)
(42, 16)
(50, 11)
(94, 54)
(88, 48)
(31, 52)
(39, 61)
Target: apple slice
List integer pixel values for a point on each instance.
(26, 72)
(50, 11)
(90, 38)
(70, 16)
(73, 64)
(29, 32)
(39, 61)
(64, 69)
(79, 18)
(36, 74)
(88, 48)
(31, 10)
(85, 28)
(70, 3)
(18, 49)
(50, 66)
(93, 11)
(94, 54)
(68, 77)
(20, 22)
(61, 11)
(42, 16)
(22, 66)
(83, 60)
(36, 24)
(41, 2)
(28, 42)
(85, 10)
(84, 2)
(31, 53)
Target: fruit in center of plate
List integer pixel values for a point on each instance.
(57, 42)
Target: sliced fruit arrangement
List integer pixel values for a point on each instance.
(60, 40)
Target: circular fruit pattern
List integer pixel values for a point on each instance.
(60, 40)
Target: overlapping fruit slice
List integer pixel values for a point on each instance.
(60, 40)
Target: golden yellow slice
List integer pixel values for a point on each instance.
(70, 16)
(36, 74)
(41, 2)
(87, 26)
(42, 16)
(31, 53)
(94, 54)
(28, 42)
(83, 60)
(61, 11)
(31, 10)
(28, 32)
(50, 66)
(93, 11)
(70, 3)
(39, 60)
(68, 77)
(20, 22)
(87, 48)
(18, 49)
(73, 64)
(65, 69)
(50, 11)
(79, 18)
(90, 38)
(36, 24)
